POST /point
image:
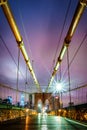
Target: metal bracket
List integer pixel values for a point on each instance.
(3, 2)
(83, 2)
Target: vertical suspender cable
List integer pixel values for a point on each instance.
(69, 77)
(17, 75)
(61, 91)
(60, 73)
(26, 85)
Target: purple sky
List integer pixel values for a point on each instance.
(40, 23)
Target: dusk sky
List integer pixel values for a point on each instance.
(41, 23)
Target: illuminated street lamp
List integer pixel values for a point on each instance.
(58, 87)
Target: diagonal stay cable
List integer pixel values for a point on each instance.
(25, 33)
(85, 36)
(62, 29)
(11, 55)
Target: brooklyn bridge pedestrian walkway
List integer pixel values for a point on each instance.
(43, 122)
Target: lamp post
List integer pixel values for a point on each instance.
(58, 89)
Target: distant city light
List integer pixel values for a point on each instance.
(39, 105)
